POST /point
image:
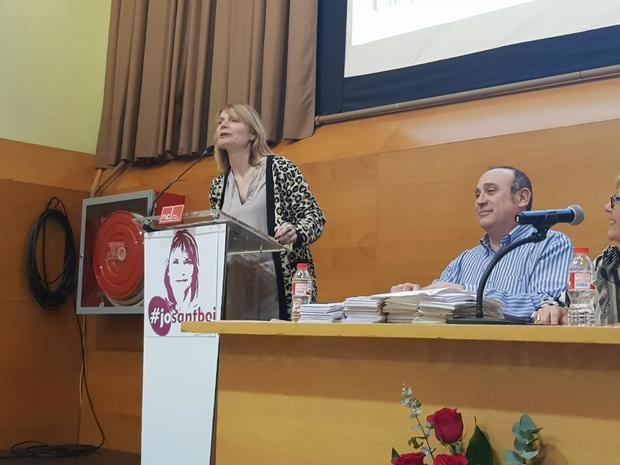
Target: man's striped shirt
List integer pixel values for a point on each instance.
(523, 279)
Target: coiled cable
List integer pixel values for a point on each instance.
(50, 294)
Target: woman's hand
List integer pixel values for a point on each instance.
(285, 234)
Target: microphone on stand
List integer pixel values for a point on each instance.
(572, 215)
(542, 220)
(208, 152)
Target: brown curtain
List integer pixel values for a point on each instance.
(172, 64)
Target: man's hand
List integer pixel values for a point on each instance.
(445, 284)
(405, 287)
(417, 287)
(551, 315)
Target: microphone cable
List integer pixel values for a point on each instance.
(208, 152)
(41, 287)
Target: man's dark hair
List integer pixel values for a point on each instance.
(520, 181)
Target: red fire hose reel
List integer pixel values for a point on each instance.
(118, 258)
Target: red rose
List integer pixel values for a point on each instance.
(412, 458)
(444, 459)
(448, 425)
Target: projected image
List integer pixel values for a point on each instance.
(384, 35)
(379, 19)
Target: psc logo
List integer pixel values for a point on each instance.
(171, 214)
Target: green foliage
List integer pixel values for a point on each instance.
(527, 445)
(479, 450)
(423, 433)
(511, 458)
(413, 442)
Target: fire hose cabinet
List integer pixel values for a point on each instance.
(111, 261)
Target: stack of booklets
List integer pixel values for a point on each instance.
(436, 305)
(399, 310)
(365, 309)
(321, 313)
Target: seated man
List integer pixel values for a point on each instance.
(528, 277)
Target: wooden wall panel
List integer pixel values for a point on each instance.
(115, 380)
(513, 114)
(46, 166)
(347, 192)
(40, 362)
(398, 194)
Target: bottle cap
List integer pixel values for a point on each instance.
(302, 266)
(581, 250)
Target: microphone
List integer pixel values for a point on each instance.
(208, 152)
(546, 218)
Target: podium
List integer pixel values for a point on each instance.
(185, 281)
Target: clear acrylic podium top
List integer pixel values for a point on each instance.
(246, 251)
(242, 238)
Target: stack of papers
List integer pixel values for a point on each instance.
(321, 313)
(364, 309)
(436, 305)
(400, 310)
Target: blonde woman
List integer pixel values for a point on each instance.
(269, 193)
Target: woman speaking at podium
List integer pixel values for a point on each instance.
(269, 193)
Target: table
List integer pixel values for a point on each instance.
(329, 393)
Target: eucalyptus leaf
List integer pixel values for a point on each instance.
(533, 431)
(526, 423)
(522, 446)
(394, 454)
(521, 436)
(528, 455)
(512, 458)
(479, 450)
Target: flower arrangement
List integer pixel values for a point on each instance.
(446, 425)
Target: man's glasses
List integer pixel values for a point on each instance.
(614, 200)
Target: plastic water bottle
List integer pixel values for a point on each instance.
(580, 289)
(302, 290)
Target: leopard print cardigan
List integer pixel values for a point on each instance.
(288, 200)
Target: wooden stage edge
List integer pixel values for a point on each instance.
(514, 333)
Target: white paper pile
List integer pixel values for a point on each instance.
(436, 305)
(364, 309)
(321, 313)
(400, 310)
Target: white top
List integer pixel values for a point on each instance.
(251, 286)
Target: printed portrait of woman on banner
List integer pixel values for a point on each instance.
(181, 276)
